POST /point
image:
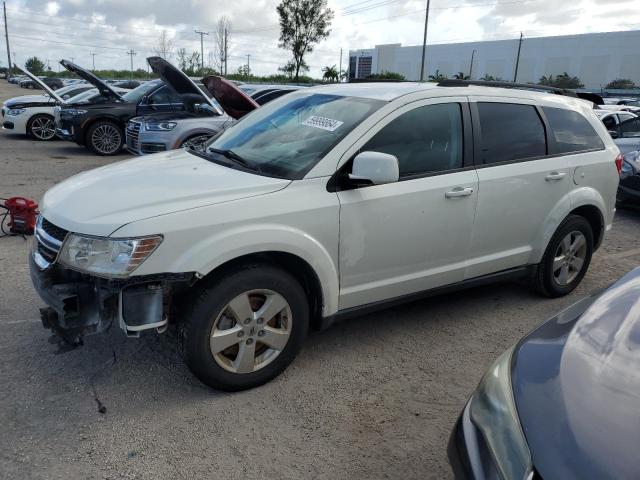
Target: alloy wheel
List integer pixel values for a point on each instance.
(43, 128)
(195, 142)
(106, 139)
(251, 331)
(569, 258)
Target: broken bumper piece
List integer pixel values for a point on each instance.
(80, 304)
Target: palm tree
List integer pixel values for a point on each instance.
(330, 74)
(461, 76)
(437, 77)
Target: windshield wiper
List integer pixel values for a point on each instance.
(234, 157)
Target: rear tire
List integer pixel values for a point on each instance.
(105, 138)
(232, 348)
(566, 259)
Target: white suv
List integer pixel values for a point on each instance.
(324, 203)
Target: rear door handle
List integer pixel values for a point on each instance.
(555, 176)
(459, 192)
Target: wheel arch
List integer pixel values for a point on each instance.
(192, 134)
(296, 266)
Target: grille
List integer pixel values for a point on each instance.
(133, 134)
(47, 254)
(53, 231)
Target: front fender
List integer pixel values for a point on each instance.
(247, 240)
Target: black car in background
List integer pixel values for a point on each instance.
(564, 402)
(100, 126)
(52, 83)
(629, 188)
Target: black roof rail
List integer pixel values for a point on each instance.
(501, 84)
(592, 97)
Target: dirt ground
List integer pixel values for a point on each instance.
(370, 398)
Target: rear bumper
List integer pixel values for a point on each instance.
(80, 305)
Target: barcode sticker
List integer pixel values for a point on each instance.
(324, 123)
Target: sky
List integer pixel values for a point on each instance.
(74, 29)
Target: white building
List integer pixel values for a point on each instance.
(595, 58)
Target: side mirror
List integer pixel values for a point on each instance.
(144, 100)
(374, 168)
(205, 108)
(613, 133)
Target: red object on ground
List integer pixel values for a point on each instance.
(22, 215)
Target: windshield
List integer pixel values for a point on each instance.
(84, 96)
(288, 137)
(135, 95)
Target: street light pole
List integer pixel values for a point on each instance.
(473, 54)
(515, 74)
(424, 40)
(6, 35)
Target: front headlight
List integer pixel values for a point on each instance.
(16, 111)
(74, 111)
(160, 126)
(493, 411)
(106, 256)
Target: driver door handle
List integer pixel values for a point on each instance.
(459, 192)
(555, 176)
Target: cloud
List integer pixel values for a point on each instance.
(109, 28)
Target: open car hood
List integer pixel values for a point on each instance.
(104, 89)
(43, 85)
(177, 80)
(233, 100)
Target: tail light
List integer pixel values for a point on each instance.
(619, 160)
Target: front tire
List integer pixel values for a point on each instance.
(245, 328)
(41, 127)
(566, 259)
(105, 138)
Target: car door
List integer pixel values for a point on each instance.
(629, 135)
(519, 184)
(412, 235)
(160, 100)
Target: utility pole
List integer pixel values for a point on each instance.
(515, 75)
(340, 70)
(93, 57)
(424, 40)
(6, 36)
(226, 48)
(131, 53)
(248, 65)
(202, 34)
(473, 54)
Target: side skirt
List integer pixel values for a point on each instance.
(517, 273)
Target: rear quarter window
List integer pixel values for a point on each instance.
(571, 131)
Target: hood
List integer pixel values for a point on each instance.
(27, 99)
(105, 89)
(576, 386)
(100, 201)
(233, 100)
(43, 85)
(178, 81)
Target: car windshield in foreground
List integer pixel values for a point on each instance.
(288, 137)
(135, 95)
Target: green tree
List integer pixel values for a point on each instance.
(621, 83)
(461, 76)
(385, 75)
(243, 70)
(563, 80)
(35, 65)
(437, 77)
(330, 74)
(303, 23)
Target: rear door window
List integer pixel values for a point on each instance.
(510, 132)
(571, 131)
(425, 140)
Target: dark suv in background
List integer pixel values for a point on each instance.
(100, 125)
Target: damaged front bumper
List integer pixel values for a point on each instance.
(81, 304)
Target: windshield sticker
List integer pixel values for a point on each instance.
(322, 122)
